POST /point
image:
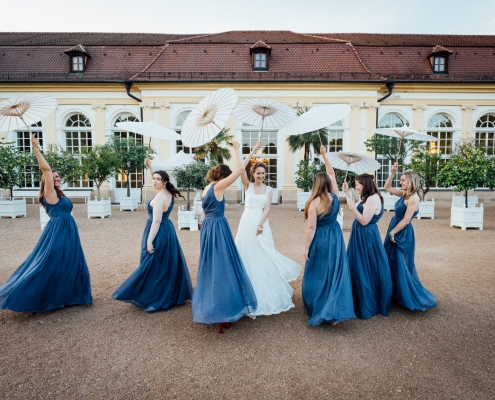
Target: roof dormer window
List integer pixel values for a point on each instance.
(439, 59)
(78, 57)
(260, 52)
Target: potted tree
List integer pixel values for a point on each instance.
(11, 162)
(189, 177)
(427, 165)
(466, 170)
(131, 155)
(98, 164)
(388, 148)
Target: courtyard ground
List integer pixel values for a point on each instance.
(112, 350)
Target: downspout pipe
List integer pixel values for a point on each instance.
(128, 85)
(390, 87)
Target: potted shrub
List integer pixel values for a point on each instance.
(98, 164)
(427, 165)
(189, 177)
(11, 162)
(466, 170)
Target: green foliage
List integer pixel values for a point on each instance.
(305, 140)
(490, 172)
(213, 150)
(131, 154)
(306, 171)
(99, 163)
(191, 176)
(67, 164)
(427, 165)
(388, 147)
(466, 170)
(11, 162)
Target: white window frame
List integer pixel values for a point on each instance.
(78, 129)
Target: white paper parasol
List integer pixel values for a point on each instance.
(175, 161)
(404, 132)
(20, 112)
(150, 129)
(316, 118)
(353, 162)
(208, 118)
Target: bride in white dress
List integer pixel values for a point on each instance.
(268, 270)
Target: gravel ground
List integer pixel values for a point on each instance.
(113, 350)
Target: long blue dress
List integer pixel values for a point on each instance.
(162, 279)
(55, 274)
(223, 291)
(370, 272)
(326, 286)
(407, 288)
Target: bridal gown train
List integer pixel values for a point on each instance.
(268, 270)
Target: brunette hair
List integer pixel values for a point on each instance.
(369, 187)
(218, 173)
(322, 187)
(168, 185)
(414, 184)
(257, 164)
(59, 191)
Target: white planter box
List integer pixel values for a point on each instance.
(463, 217)
(184, 217)
(389, 201)
(302, 198)
(426, 209)
(99, 208)
(198, 203)
(44, 218)
(13, 208)
(340, 217)
(129, 203)
(460, 201)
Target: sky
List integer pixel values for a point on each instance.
(465, 17)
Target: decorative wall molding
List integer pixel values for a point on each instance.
(356, 105)
(372, 105)
(421, 107)
(98, 107)
(163, 106)
(468, 107)
(147, 105)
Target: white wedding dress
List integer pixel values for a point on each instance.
(268, 270)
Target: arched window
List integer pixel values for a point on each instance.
(389, 120)
(269, 156)
(485, 133)
(179, 121)
(23, 141)
(135, 177)
(336, 136)
(77, 139)
(440, 126)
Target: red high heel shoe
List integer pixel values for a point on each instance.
(222, 325)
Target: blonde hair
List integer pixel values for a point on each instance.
(414, 185)
(322, 187)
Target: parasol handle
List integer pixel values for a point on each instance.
(259, 136)
(346, 171)
(29, 130)
(398, 150)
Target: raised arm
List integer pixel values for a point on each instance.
(147, 163)
(388, 184)
(157, 220)
(226, 182)
(244, 177)
(50, 192)
(412, 206)
(369, 209)
(329, 169)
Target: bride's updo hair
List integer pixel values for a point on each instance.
(218, 173)
(256, 165)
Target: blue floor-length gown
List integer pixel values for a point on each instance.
(407, 288)
(326, 286)
(55, 274)
(223, 291)
(370, 272)
(162, 279)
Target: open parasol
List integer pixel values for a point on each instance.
(404, 132)
(315, 119)
(151, 129)
(23, 111)
(208, 118)
(353, 162)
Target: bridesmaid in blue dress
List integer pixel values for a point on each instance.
(326, 286)
(400, 245)
(223, 292)
(370, 272)
(55, 274)
(161, 280)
